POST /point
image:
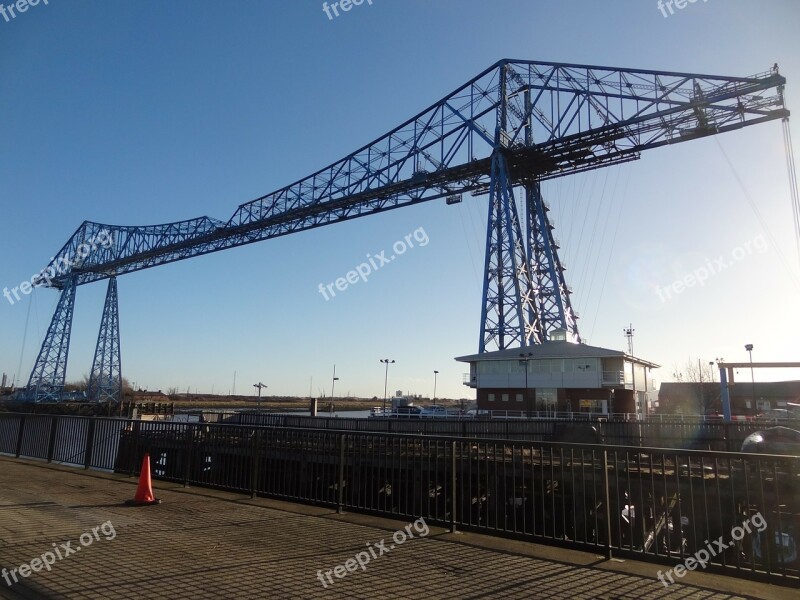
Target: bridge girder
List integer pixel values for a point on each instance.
(516, 124)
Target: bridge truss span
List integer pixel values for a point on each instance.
(501, 134)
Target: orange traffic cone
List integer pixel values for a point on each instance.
(144, 492)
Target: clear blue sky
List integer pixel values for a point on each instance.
(148, 112)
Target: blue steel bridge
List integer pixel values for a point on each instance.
(501, 134)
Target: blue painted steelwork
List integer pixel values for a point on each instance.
(46, 383)
(105, 381)
(506, 287)
(516, 124)
(551, 296)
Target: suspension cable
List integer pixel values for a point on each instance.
(795, 198)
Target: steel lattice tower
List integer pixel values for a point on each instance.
(551, 296)
(46, 383)
(105, 382)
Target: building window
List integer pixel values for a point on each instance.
(546, 399)
(491, 397)
(519, 397)
(591, 406)
(505, 397)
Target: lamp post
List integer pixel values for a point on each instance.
(333, 382)
(702, 395)
(749, 348)
(387, 362)
(259, 385)
(435, 373)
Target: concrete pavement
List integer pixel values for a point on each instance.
(210, 544)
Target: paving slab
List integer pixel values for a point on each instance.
(202, 543)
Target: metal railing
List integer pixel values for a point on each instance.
(648, 503)
(591, 427)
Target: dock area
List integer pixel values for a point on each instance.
(204, 543)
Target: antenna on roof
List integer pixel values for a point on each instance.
(629, 334)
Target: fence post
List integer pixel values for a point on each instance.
(453, 495)
(51, 444)
(187, 455)
(340, 485)
(133, 447)
(254, 470)
(87, 455)
(19, 435)
(607, 502)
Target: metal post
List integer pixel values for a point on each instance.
(725, 394)
(87, 456)
(254, 463)
(387, 362)
(340, 484)
(453, 494)
(749, 348)
(51, 444)
(187, 455)
(133, 447)
(19, 435)
(607, 498)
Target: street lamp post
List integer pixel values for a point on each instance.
(749, 348)
(333, 383)
(435, 373)
(259, 385)
(387, 362)
(702, 395)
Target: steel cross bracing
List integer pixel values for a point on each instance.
(105, 381)
(46, 383)
(514, 125)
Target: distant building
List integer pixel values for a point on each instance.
(690, 398)
(560, 376)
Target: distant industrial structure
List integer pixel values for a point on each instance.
(560, 376)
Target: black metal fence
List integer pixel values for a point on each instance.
(663, 433)
(729, 512)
